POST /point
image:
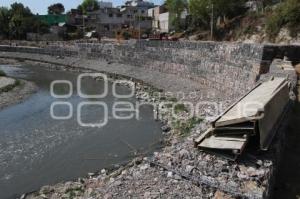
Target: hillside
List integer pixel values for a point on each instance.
(278, 23)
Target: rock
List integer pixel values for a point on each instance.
(23, 196)
(221, 195)
(111, 180)
(184, 154)
(170, 174)
(118, 183)
(103, 171)
(124, 172)
(144, 167)
(108, 196)
(189, 168)
(259, 162)
(89, 191)
(177, 177)
(147, 194)
(253, 172)
(138, 161)
(166, 128)
(46, 190)
(162, 191)
(80, 180)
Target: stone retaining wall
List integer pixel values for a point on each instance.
(232, 68)
(229, 67)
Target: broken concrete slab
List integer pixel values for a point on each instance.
(255, 114)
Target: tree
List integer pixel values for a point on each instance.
(176, 7)
(21, 21)
(201, 9)
(4, 22)
(89, 5)
(17, 21)
(56, 9)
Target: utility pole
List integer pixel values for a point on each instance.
(212, 22)
(83, 25)
(139, 27)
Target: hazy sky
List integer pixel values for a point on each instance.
(41, 6)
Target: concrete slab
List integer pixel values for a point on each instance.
(252, 105)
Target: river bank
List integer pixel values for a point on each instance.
(14, 91)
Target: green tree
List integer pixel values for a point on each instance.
(89, 5)
(56, 9)
(19, 21)
(201, 10)
(4, 22)
(176, 7)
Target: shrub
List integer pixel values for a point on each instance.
(180, 108)
(286, 14)
(274, 24)
(184, 127)
(2, 73)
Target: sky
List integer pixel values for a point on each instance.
(41, 6)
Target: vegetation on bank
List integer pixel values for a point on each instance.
(2, 73)
(286, 14)
(184, 127)
(10, 87)
(232, 19)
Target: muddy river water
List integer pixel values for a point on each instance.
(37, 150)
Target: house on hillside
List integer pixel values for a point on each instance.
(135, 14)
(161, 18)
(154, 13)
(105, 21)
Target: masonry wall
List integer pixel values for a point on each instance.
(223, 66)
(228, 67)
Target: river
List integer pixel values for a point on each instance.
(36, 150)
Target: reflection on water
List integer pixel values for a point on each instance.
(36, 150)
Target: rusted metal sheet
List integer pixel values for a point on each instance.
(255, 114)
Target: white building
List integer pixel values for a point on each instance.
(154, 14)
(139, 3)
(105, 4)
(164, 22)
